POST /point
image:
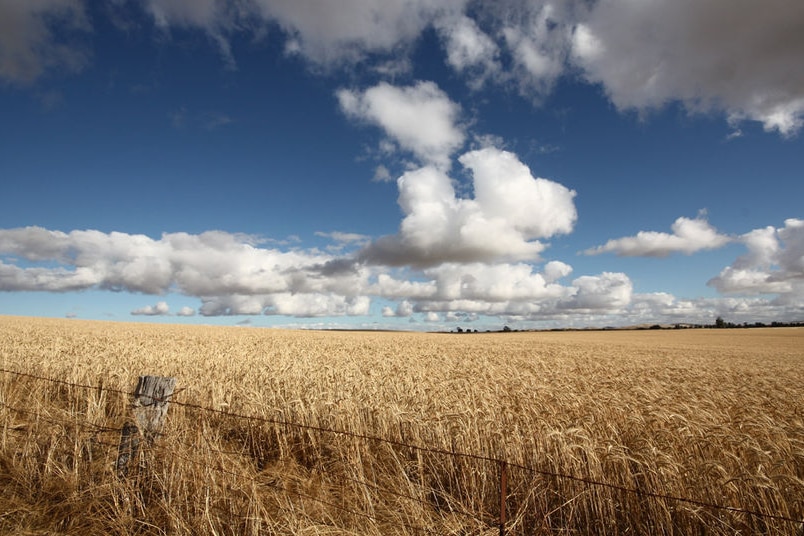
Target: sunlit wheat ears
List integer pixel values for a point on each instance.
(687, 415)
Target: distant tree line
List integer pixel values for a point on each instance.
(720, 323)
(505, 329)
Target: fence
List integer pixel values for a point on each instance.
(128, 446)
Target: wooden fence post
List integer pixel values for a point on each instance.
(149, 409)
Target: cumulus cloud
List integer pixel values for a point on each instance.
(404, 309)
(510, 211)
(608, 292)
(740, 59)
(391, 287)
(238, 275)
(214, 265)
(34, 37)
(160, 309)
(689, 236)
(497, 283)
(555, 270)
(420, 118)
(667, 309)
(736, 56)
(323, 32)
(304, 305)
(515, 290)
(432, 317)
(774, 264)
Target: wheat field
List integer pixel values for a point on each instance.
(618, 432)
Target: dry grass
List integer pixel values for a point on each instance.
(712, 416)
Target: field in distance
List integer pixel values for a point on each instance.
(617, 432)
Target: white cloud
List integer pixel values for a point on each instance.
(328, 32)
(232, 274)
(404, 309)
(749, 281)
(237, 275)
(420, 118)
(737, 56)
(689, 236)
(533, 60)
(774, 264)
(35, 37)
(555, 270)
(212, 265)
(456, 316)
(608, 292)
(497, 283)
(318, 304)
(538, 39)
(664, 308)
(344, 239)
(515, 290)
(469, 49)
(510, 210)
(791, 257)
(505, 188)
(388, 286)
(160, 309)
(304, 305)
(381, 174)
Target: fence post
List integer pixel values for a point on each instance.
(149, 409)
(503, 494)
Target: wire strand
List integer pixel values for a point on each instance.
(419, 448)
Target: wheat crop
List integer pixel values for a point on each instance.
(602, 432)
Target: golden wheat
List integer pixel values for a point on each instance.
(713, 416)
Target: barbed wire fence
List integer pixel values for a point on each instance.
(502, 467)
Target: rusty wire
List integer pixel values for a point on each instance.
(418, 448)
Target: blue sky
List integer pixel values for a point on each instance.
(397, 164)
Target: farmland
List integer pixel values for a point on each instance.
(621, 432)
